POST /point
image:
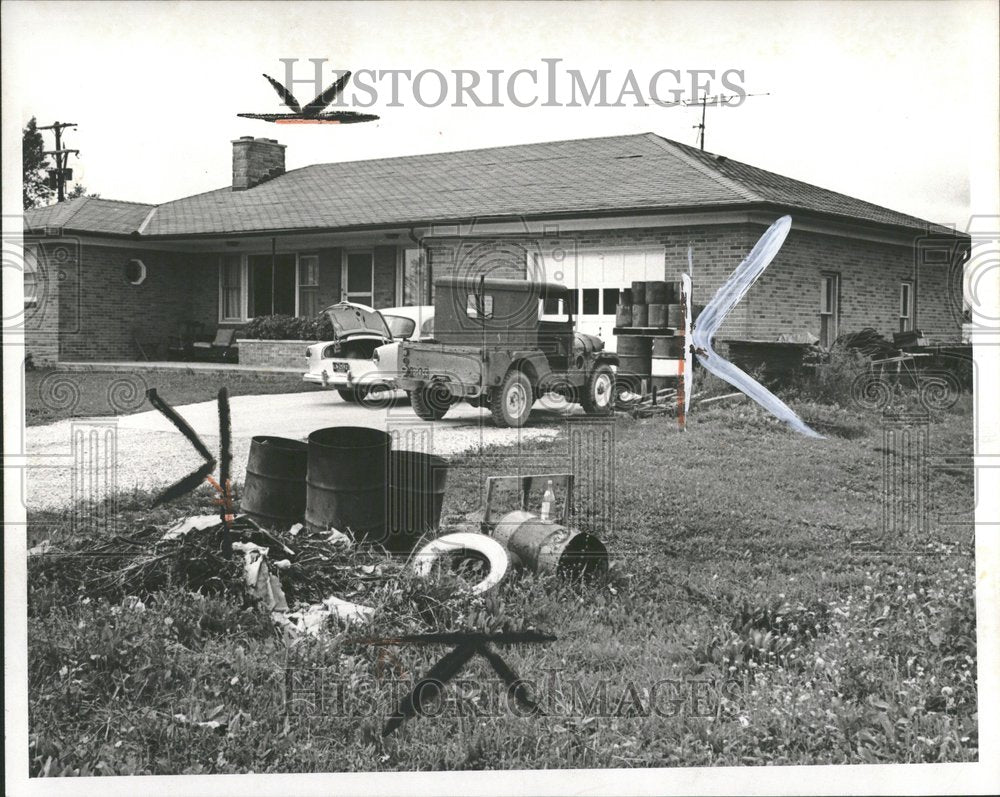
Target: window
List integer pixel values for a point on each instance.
(30, 277)
(400, 327)
(610, 300)
(135, 272)
(479, 306)
(358, 278)
(271, 284)
(905, 306)
(231, 288)
(308, 285)
(829, 308)
(591, 301)
(414, 289)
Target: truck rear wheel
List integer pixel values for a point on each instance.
(430, 402)
(598, 395)
(510, 404)
(349, 394)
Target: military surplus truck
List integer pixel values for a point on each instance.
(502, 344)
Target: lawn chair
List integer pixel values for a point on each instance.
(222, 348)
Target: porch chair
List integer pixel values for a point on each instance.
(223, 348)
(179, 345)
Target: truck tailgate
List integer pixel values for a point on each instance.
(427, 361)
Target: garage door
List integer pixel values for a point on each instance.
(598, 277)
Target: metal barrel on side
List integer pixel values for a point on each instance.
(416, 493)
(274, 489)
(549, 548)
(633, 362)
(346, 481)
(665, 361)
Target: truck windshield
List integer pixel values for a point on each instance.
(400, 327)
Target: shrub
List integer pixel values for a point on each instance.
(286, 327)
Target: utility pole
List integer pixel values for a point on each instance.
(60, 174)
(718, 99)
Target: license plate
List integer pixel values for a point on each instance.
(340, 368)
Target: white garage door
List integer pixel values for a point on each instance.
(598, 277)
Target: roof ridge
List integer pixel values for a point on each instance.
(678, 149)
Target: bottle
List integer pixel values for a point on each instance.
(548, 499)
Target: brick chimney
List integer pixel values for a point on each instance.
(256, 160)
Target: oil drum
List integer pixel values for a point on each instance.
(549, 548)
(657, 315)
(656, 292)
(638, 293)
(633, 362)
(274, 490)
(346, 481)
(664, 364)
(640, 315)
(416, 493)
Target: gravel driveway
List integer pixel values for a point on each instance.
(145, 451)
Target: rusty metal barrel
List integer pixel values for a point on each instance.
(633, 362)
(638, 292)
(640, 315)
(416, 493)
(549, 548)
(274, 489)
(657, 315)
(665, 362)
(346, 481)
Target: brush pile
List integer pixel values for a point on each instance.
(190, 554)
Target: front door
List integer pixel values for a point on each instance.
(357, 278)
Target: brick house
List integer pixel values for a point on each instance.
(593, 213)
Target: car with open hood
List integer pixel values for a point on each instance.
(346, 363)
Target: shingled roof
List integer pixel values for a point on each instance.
(90, 214)
(618, 174)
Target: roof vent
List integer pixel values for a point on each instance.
(721, 158)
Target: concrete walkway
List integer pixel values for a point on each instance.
(80, 458)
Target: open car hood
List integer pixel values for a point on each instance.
(350, 319)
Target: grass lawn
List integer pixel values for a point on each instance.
(753, 614)
(54, 395)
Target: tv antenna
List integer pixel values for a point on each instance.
(715, 99)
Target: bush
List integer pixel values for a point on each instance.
(286, 327)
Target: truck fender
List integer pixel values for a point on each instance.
(607, 358)
(533, 363)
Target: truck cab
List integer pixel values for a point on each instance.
(493, 350)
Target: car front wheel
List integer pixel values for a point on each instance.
(598, 397)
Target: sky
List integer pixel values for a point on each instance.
(894, 103)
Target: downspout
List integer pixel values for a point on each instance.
(425, 257)
(274, 257)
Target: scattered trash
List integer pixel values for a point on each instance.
(465, 545)
(262, 584)
(543, 546)
(42, 548)
(188, 524)
(722, 398)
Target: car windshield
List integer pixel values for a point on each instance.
(400, 327)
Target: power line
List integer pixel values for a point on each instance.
(61, 174)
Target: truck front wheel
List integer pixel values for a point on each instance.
(598, 395)
(510, 404)
(430, 402)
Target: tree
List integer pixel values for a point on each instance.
(35, 166)
(78, 190)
